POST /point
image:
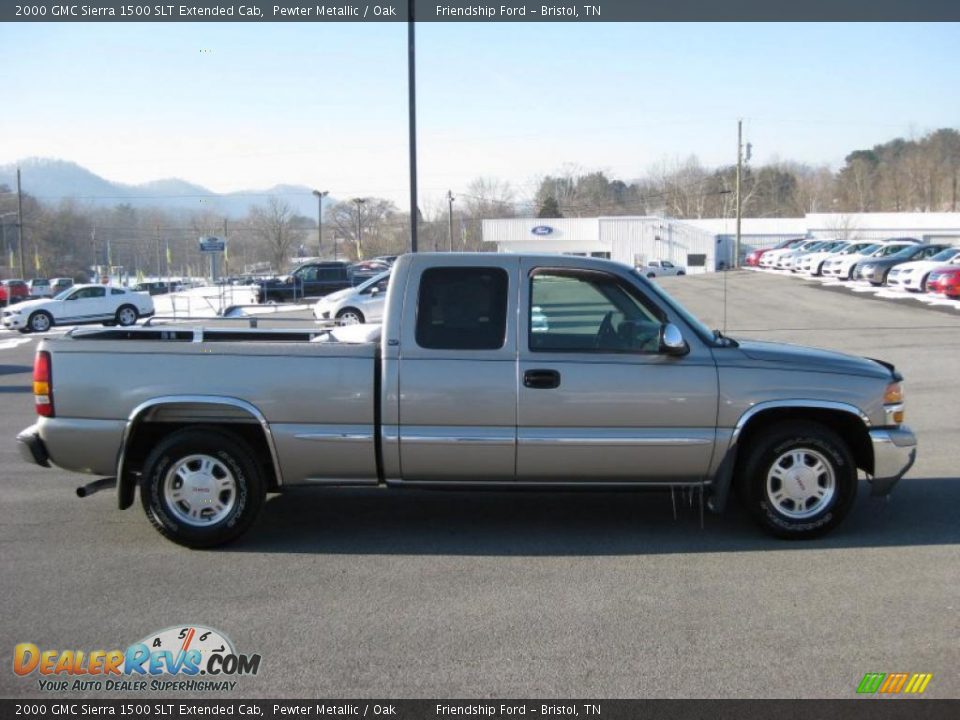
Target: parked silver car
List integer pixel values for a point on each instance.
(361, 304)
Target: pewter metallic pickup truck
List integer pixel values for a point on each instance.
(489, 371)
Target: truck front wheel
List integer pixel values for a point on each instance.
(201, 488)
(798, 480)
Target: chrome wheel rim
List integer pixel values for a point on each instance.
(801, 483)
(200, 490)
(127, 317)
(40, 323)
(349, 318)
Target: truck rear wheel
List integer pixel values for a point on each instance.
(798, 480)
(201, 488)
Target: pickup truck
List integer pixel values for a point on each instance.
(489, 371)
(657, 268)
(311, 280)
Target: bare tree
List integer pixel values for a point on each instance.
(274, 226)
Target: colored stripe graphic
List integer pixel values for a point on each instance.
(894, 683)
(918, 683)
(871, 683)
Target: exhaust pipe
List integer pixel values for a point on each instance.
(96, 486)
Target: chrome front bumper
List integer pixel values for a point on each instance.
(894, 452)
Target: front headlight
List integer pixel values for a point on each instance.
(893, 403)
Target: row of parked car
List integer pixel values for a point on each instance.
(903, 263)
(15, 290)
(319, 279)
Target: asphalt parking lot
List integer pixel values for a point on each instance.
(416, 594)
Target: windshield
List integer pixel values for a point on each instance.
(945, 255)
(906, 252)
(63, 294)
(891, 250)
(372, 281)
(705, 333)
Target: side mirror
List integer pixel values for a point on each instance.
(671, 341)
(374, 290)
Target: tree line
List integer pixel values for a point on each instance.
(68, 238)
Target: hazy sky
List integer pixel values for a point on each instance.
(245, 106)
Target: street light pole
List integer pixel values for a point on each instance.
(321, 194)
(359, 202)
(23, 273)
(450, 200)
(412, 102)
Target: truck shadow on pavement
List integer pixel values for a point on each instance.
(922, 511)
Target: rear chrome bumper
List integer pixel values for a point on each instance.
(894, 452)
(31, 447)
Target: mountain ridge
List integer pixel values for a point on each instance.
(53, 179)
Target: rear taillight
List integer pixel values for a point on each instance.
(43, 384)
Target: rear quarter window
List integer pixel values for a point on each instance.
(462, 309)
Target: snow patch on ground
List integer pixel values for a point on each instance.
(15, 342)
(200, 302)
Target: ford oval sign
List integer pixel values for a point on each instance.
(542, 230)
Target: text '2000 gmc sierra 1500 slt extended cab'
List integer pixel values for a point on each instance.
(489, 371)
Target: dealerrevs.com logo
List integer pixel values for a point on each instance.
(185, 658)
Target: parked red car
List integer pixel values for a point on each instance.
(945, 281)
(13, 291)
(753, 258)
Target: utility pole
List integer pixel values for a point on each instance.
(23, 273)
(450, 200)
(412, 102)
(736, 245)
(359, 202)
(157, 242)
(321, 194)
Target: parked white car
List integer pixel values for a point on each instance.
(913, 275)
(812, 262)
(770, 258)
(81, 304)
(656, 268)
(844, 263)
(361, 304)
(787, 259)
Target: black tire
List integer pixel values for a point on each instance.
(40, 321)
(230, 452)
(350, 312)
(127, 315)
(923, 283)
(650, 276)
(768, 450)
(681, 272)
(819, 271)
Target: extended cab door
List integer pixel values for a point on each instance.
(458, 369)
(598, 400)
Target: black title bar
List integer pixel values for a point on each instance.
(139, 707)
(480, 11)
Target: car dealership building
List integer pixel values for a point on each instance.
(703, 245)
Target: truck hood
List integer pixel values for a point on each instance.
(813, 359)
